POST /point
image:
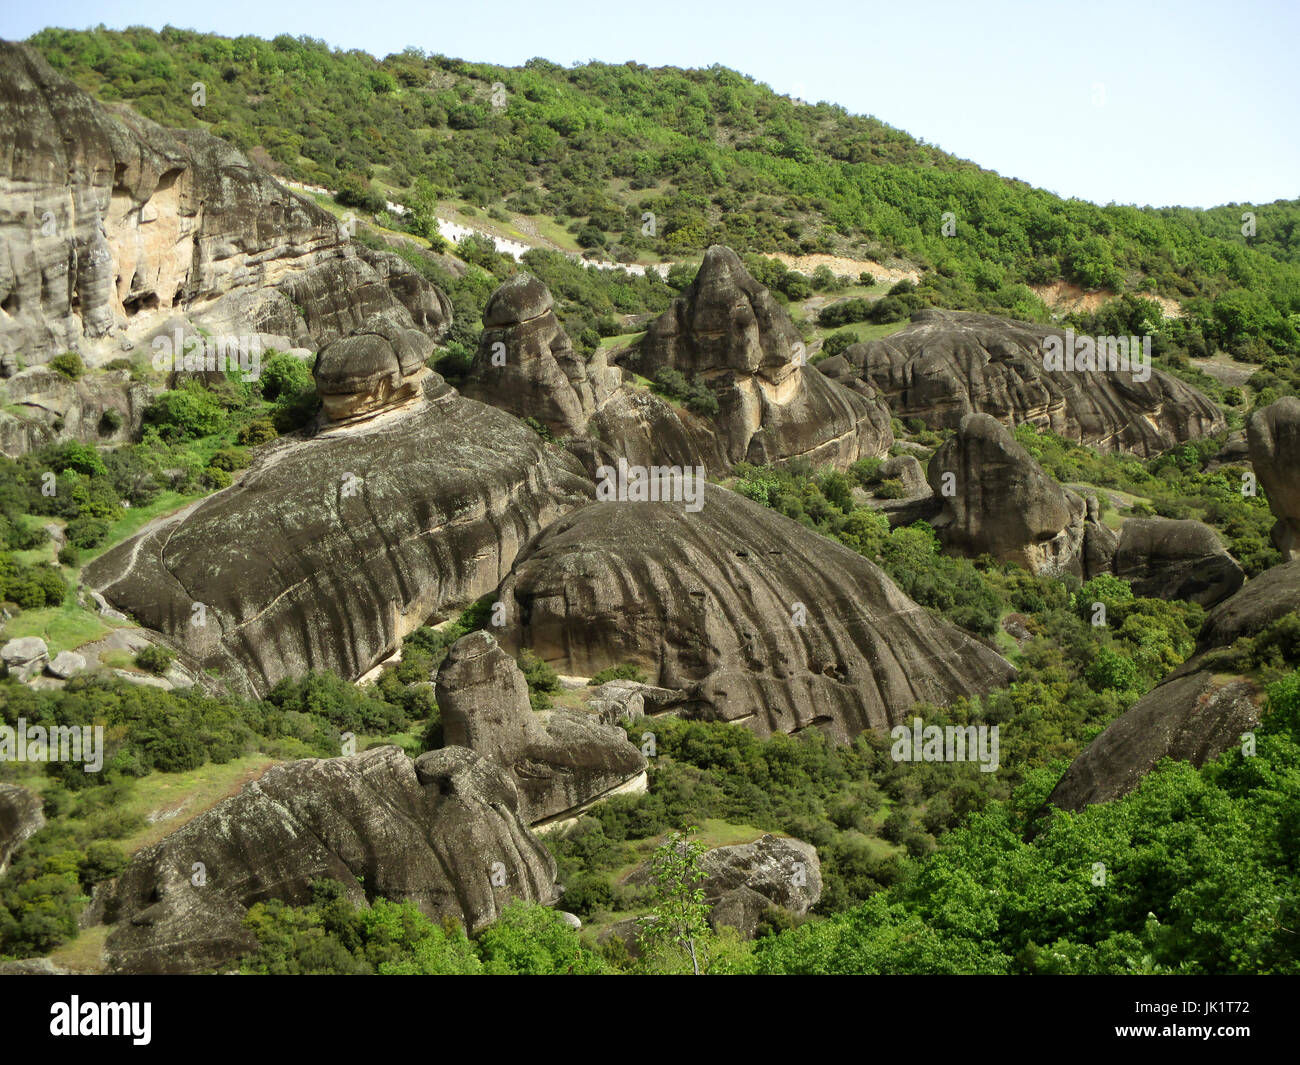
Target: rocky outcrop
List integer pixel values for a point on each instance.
(380, 367)
(101, 408)
(25, 656)
(1197, 713)
(908, 472)
(112, 222)
(997, 500)
(948, 364)
(629, 700)
(526, 363)
(330, 549)
(443, 832)
(741, 882)
(728, 331)
(756, 618)
(561, 760)
(21, 816)
(1167, 559)
(1274, 437)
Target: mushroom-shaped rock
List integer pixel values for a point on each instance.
(1274, 437)
(379, 367)
(443, 832)
(998, 500)
(526, 363)
(560, 761)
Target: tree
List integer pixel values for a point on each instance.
(680, 915)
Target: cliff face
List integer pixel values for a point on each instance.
(330, 549)
(109, 223)
(948, 364)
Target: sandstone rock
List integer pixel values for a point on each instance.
(1274, 437)
(526, 363)
(329, 550)
(1166, 559)
(712, 611)
(909, 472)
(560, 760)
(47, 406)
(26, 656)
(21, 816)
(628, 700)
(1003, 503)
(947, 364)
(571, 919)
(1264, 599)
(427, 832)
(729, 331)
(66, 663)
(1192, 718)
(379, 367)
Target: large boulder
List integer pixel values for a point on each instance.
(330, 549)
(1264, 599)
(947, 364)
(754, 617)
(997, 500)
(1167, 559)
(372, 370)
(729, 332)
(25, 656)
(21, 816)
(527, 364)
(1274, 437)
(561, 760)
(443, 832)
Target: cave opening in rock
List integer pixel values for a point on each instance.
(143, 301)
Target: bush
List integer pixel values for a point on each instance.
(257, 432)
(186, 413)
(623, 671)
(86, 532)
(69, 364)
(542, 679)
(216, 478)
(154, 659)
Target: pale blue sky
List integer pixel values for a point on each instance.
(1138, 102)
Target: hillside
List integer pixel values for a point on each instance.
(580, 157)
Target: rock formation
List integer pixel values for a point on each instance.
(526, 363)
(727, 330)
(947, 364)
(21, 816)
(1274, 437)
(1197, 713)
(757, 619)
(330, 549)
(112, 222)
(46, 405)
(442, 832)
(25, 656)
(561, 760)
(382, 366)
(1167, 559)
(997, 500)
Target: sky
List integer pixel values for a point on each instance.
(1192, 103)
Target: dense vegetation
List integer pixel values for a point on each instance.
(589, 153)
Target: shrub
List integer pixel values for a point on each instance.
(69, 364)
(187, 413)
(86, 532)
(216, 478)
(623, 671)
(154, 659)
(257, 432)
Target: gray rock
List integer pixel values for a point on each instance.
(26, 656)
(1274, 440)
(21, 816)
(1166, 559)
(909, 472)
(628, 700)
(712, 612)
(561, 760)
(947, 364)
(571, 919)
(442, 832)
(66, 663)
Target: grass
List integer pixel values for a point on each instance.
(63, 628)
(137, 517)
(85, 953)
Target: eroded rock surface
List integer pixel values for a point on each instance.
(427, 831)
(21, 816)
(1274, 438)
(330, 549)
(948, 364)
(715, 610)
(560, 759)
(1167, 559)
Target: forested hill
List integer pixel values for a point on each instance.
(581, 154)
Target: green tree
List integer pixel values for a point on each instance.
(680, 919)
